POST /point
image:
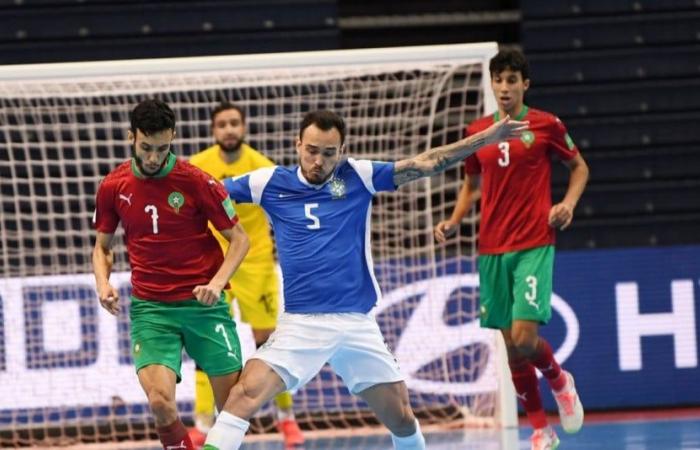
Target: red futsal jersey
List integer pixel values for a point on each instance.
(515, 182)
(171, 249)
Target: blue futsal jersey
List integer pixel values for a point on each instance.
(322, 232)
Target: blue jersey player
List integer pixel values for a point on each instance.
(320, 212)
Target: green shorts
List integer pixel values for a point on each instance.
(160, 330)
(516, 286)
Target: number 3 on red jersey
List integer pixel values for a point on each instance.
(504, 160)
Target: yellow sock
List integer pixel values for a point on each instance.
(284, 401)
(203, 401)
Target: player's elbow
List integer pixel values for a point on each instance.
(100, 252)
(578, 165)
(585, 171)
(246, 243)
(242, 241)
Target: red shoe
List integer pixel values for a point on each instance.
(197, 437)
(291, 432)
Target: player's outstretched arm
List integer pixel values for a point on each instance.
(102, 260)
(237, 249)
(440, 158)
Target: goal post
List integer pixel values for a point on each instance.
(65, 367)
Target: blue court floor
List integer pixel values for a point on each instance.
(683, 434)
(643, 435)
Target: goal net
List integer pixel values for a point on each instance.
(65, 366)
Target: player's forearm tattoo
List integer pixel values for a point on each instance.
(436, 160)
(407, 173)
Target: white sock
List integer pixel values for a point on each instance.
(227, 433)
(416, 441)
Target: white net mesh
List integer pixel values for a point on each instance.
(60, 137)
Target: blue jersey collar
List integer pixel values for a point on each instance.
(305, 182)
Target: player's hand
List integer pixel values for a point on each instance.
(505, 129)
(560, 216)
(444, 230)
(109, 298)
(207, 295)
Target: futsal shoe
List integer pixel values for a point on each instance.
(291, 433)
(197, 437)
(570, 407)
(544, 439)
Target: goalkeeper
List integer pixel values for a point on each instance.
(255, 284)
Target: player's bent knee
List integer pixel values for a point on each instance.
(525, 350)
(525, 344)
(161, 404)
(245, 398)
(242, 391)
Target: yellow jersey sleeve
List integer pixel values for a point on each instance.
(251, 216)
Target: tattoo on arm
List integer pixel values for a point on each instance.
(436, 160)
(407, 173)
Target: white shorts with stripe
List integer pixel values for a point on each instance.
(350, 342)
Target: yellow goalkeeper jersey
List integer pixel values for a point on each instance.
(251, 216)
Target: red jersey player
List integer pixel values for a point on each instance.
(516, 239)
(178, 271)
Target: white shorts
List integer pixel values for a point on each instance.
(350, 342)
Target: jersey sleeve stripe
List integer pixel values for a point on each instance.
(258, 181)
(364, 169)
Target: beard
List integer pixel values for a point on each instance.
(316, 177)
(142, 169)
(233, 148)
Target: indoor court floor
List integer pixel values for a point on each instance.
(627, 434)
(681, 434)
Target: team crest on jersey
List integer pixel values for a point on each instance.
(337, 188)
(176, 200)
(528, 137)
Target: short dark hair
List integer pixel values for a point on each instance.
(509, 59)
(152, 116)
(325, 120)
(223, 106)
